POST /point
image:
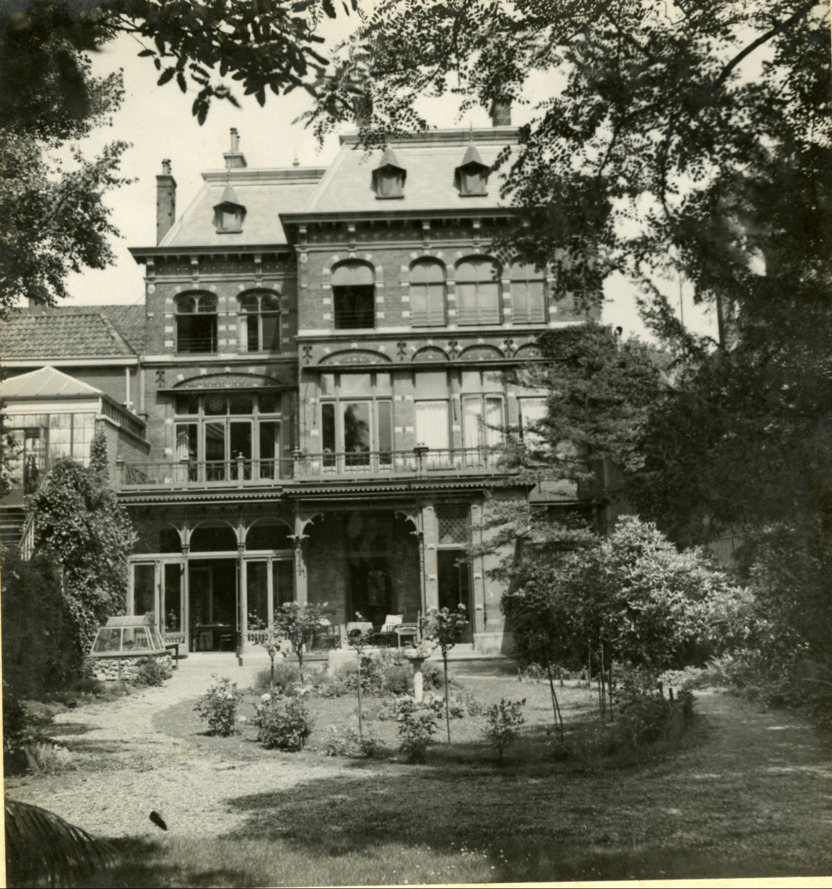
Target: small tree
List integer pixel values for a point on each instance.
(271, 642)
(298, 624)
(503, 723)
(444, 627)
(359, 640)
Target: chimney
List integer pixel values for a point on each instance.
(500, 112)
(165, 201)
(235, 159)
(362, 109)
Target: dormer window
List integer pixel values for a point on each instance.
(389, 176)
(471, 176)
(229, 213)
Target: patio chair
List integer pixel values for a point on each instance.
(389, 630)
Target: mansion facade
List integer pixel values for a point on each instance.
(310, 402)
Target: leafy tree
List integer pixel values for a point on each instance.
(669, 131)
(359, 640)
(80, 524)
(55, 221)
(631, 597)
(444, 627)
(298, 624)
(687, 140)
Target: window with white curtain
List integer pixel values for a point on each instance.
(482, 421)
(532, 411)
(432, 426)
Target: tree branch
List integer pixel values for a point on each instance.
(764, 38)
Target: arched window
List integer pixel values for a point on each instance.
(196, 322)
(478, 291)
(353, 295)
(528, 293)
(260, 322)
(427, 293)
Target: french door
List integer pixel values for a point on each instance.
(158, 587)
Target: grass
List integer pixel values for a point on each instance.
(732, 799)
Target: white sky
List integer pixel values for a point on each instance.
(157, 121)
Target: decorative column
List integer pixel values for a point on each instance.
(301, 590)
(430, 537)
(478, 572)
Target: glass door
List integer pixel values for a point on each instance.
(144, 590)
(174, 602)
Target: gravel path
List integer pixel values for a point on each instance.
(125, 767)
(765, 778)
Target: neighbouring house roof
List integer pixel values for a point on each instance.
(111, 331)
(46, 382)
(430, 159)
(264, 193)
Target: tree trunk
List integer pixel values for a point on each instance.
(360, 721)
(555, 704)
(447, 710)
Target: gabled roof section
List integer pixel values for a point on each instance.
(73, 331)
(46, 382)
(431, 160)
(265, 194)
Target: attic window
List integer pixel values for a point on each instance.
(388, 177)
(471, 176)
(229, 213)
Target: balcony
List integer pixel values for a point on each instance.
(419, 462)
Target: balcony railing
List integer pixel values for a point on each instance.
(335, 466)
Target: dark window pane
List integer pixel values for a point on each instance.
(271, 332)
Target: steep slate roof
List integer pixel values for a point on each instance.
(46, 382)
(430, 160)
(114, 331)
(264, 194)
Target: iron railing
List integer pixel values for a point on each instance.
(327, 466)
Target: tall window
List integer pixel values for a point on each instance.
(478, 291)
(432, 427)
(528, 294)
(482, 417)
(260, 322)
(353, 295)
(196, 323)
(427, 293)
(532, 411)
(224, 438)
(358, 422)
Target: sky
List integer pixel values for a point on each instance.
(158, 123)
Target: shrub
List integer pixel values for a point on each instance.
(51, 758)
(24, 725)
(349, 743)
(282, 723)
(503, 723)
(154, 671)
(416, 725)
(286, 677)
(218, 707)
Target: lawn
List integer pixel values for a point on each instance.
(706, 806)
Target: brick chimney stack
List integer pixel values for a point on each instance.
(500, 112)
(235, 159)
(165, 201)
